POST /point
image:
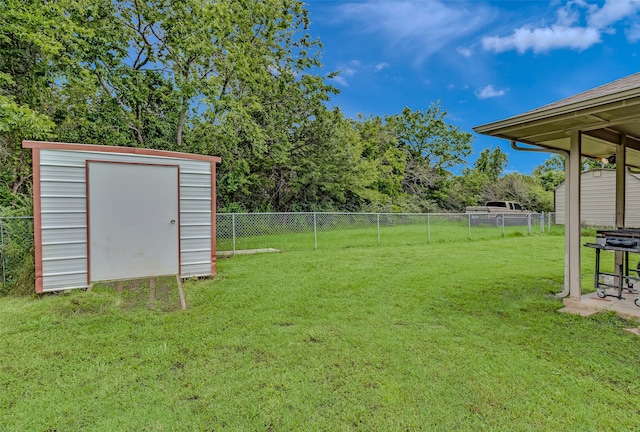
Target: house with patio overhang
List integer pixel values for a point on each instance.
(602, 123)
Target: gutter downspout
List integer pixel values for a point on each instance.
(514, 145)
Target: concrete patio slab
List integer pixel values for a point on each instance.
(591, 303)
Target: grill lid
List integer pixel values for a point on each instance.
(625, 238)
(621, 232)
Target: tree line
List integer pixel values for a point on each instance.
(237, 79)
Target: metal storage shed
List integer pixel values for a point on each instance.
(109, 213)
(598, 199)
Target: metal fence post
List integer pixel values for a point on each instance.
(469, 223)
(502, 219)
(378, 220)
(315, 231)
(549, 222)
(529, 223)
(542, 222)
(233, 232)
(428, 228)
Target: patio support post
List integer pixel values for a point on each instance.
(572, 221)
(621, 163)
(567, 216)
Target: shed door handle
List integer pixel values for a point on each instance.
(173, 221)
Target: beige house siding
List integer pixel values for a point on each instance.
(598, 199)
(559, 203)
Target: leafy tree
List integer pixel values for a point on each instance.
(234, 79)
(427, 136)
(33, 40)
(472, 187)
(590, 163)
(491, 163)
(486, 182)
(16, 123)
(432, 146)
(383, 161)
(523, 189)
(326, 170)
(550, 173)
(227, 78)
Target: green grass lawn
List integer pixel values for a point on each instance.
(440, 336)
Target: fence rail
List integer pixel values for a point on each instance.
(237, 232)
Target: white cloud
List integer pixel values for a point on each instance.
(489, 92)
(566, 32)
(381, 66)
(420, 28)
(340, 80)
(346, 71)
(465, 51)
(633, 33)
(569, 14)
(613, 11)
(543, 39)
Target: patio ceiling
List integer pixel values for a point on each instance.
(604, 115)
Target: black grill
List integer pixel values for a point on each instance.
(620, 240)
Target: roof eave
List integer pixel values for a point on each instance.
(621, 98)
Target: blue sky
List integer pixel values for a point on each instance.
(483, 60)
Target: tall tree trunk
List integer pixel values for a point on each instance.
(181, 121)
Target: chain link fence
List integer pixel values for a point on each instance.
(16, 254)
(240, 232)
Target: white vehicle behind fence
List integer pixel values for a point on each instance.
(499, 213)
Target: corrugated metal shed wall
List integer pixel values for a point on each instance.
(598, 199)
(64, 217)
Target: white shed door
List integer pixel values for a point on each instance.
(133, 220)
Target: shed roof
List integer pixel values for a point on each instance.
(117, 149)
(603, 114)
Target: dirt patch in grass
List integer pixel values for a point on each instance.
(160, 293)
